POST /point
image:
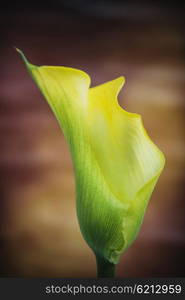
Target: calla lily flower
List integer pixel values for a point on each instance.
(116, 164)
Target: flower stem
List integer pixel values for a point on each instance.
(104, 267)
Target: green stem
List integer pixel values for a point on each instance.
(104, 267)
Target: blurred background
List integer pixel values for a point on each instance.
(142, 40)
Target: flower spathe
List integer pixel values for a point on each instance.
(116, 164)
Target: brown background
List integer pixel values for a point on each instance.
(39, 230)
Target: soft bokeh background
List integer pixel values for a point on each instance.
(143, 41)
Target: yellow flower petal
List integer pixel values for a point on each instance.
(116, 164)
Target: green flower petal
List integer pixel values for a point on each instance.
(116, 164)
